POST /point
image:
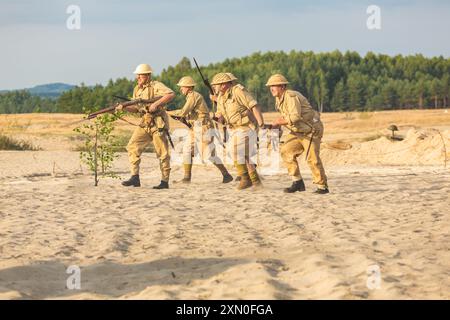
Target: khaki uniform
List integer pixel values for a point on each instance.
(234, 105)
(195, 111)
(302, 120)
(152, 129)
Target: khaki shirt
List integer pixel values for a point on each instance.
(195, 108)
(296, 110)
(148, 91)
(234, 106)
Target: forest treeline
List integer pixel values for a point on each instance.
(332, 82)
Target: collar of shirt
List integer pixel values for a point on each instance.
(226, 95)
(145, 85)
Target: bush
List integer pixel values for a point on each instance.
(99, 149)
(7, 143)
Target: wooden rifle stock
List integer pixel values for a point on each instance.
(129, 103)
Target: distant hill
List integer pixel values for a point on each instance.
(51, 90)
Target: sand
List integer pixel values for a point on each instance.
(387, 211)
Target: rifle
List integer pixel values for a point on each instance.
(121, 98)
(205, 81)
(132, 102)
(211, 91)
(177, 118)
(128, 103)
(309, 145)
(182, 120)
(168, 137)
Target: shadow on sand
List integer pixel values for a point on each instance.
(47, 279)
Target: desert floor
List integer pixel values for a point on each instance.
(382, 233)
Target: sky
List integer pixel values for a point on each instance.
(114, 36)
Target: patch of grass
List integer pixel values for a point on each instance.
(75, 137)
(121, 143)
(15, 125)
(365, 115)
(349, 116)
(8, 143)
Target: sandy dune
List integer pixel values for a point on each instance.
(388, 207)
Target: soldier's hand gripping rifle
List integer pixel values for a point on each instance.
(211, 91)
(177, 118)
(128, 103)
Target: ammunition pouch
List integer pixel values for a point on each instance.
(147, 120)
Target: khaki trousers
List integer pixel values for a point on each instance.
(294, 146)
(140, 139)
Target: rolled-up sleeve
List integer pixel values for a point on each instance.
(189, 105)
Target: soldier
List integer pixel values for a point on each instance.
(254, 122)
(195, 110)
(233, 104)
(306, 131)
(154, 126)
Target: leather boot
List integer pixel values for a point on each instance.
(185, 180)
(162, 185)
(254, 177)
(227, 178)
(226, 175)
(133, 181)
(322, 191)
(245, 182)
(296, 186)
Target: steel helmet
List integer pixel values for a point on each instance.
(186, 81)
(221, 78)
(276, 80)
(232, 76)
(143, 69)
